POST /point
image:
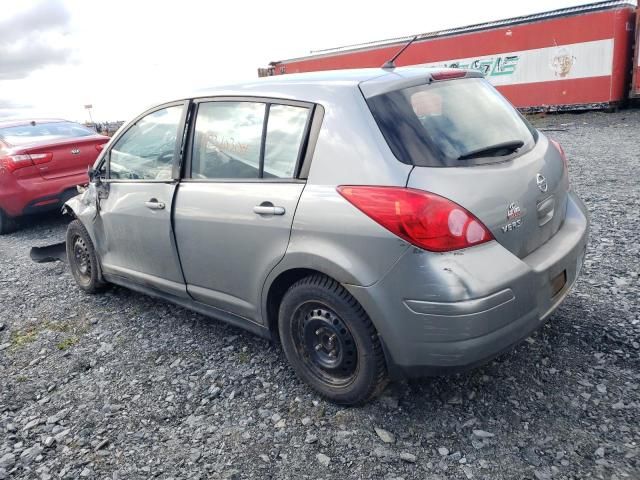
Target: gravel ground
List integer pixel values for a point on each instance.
(122, 386)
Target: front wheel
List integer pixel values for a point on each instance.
(82, 257)
(330, 341)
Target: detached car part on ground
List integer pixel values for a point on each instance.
(41, 163)
(380, 223)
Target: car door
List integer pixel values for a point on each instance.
(234, 211)
(137, 240)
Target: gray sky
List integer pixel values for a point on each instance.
(121, 56)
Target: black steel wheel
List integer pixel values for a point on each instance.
(82, 258)
(330, 341)
(325, 344)
(82, 263)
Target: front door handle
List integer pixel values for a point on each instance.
(267, 209)
(154, 204)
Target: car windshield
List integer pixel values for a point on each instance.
(451, 123)
(39, 132)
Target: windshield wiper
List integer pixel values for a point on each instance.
(493, 150)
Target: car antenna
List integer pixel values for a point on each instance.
(389, 64)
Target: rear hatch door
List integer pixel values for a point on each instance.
(468, 144)
(507, 197)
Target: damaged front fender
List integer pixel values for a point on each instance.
(84, 205)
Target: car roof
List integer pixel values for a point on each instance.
(16, 122)
(347, 78)
(311, 82)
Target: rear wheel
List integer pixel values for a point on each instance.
(7, 224)
(82, 258)
(330, 341)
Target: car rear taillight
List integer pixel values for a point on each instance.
(14, 162)
(422, 218)
(562, 154)
(22, 160)
(39, 158)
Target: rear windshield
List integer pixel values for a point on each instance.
(451, 123)
(40, 132)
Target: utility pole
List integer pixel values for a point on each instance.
(88, 108)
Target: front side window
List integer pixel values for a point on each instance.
(231, 141)
(146, 150)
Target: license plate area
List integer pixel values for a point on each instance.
(558, 282)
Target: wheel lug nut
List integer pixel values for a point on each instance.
(318, 332)
(333, 337)
(318, 347)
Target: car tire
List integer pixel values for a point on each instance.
(330, 341)
(82, 258)
(7, 224)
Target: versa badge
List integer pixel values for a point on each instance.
(513, 214)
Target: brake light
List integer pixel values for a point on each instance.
(562, 154)
(422, 218)
(15, 162)
(39, 158)
(22, 160)
(448, 74)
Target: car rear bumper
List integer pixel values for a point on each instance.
(27, 196)
(438, 312)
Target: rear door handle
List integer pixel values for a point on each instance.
(268, 210)
(154, 204)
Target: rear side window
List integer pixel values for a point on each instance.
(451, 123)
(42, 132)
(285, 131)
(247, 140)
(228, 137)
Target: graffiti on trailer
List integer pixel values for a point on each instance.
(490, 67)
(562, 62)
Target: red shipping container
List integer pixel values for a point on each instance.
(564, 59)
(635, 85)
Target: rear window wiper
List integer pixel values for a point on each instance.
(493, 150)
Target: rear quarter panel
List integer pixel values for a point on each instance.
(333, 237)
(329, 234)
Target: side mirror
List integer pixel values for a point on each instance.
(94, 175)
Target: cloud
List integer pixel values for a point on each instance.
(10, 104)
(10, 108)
(29, 40)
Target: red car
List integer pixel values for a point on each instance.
(41, 163)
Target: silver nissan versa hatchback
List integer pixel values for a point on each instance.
(380, 223)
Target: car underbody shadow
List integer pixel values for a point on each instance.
(36, 221)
